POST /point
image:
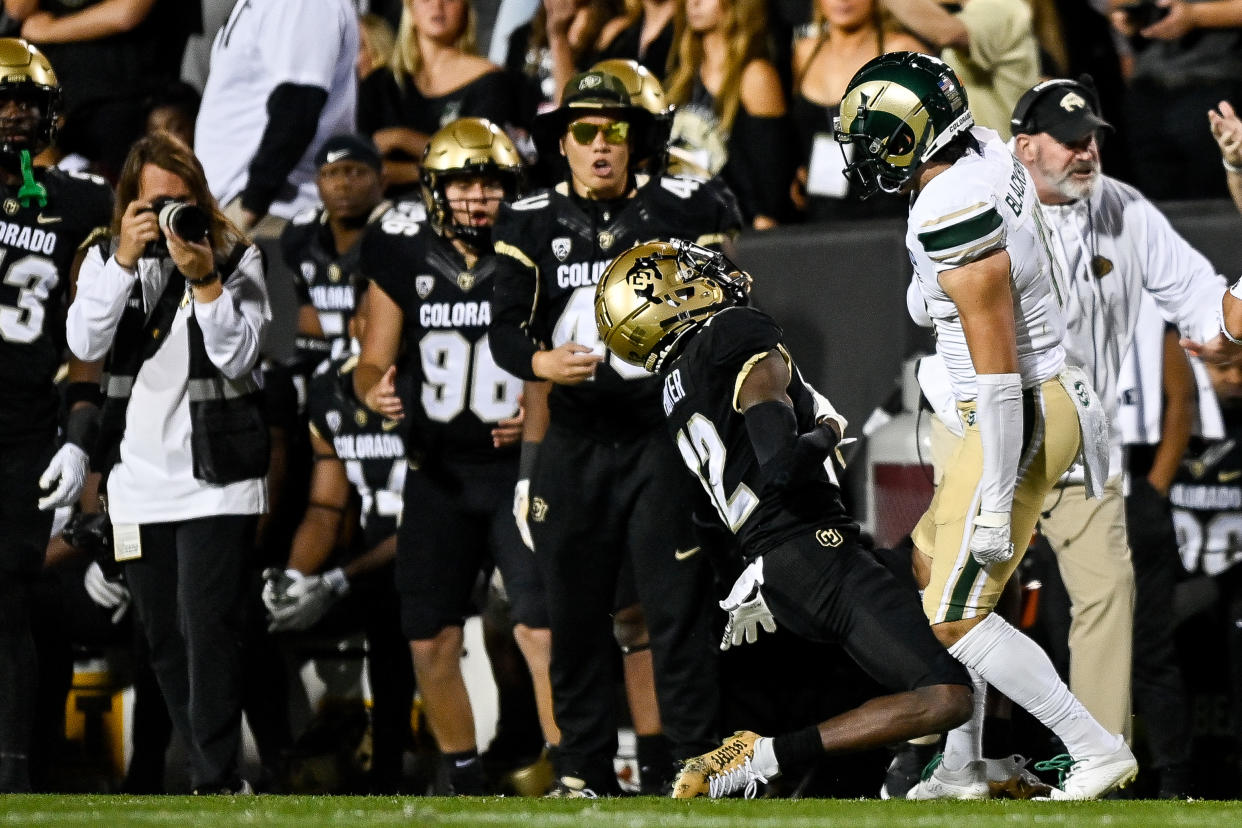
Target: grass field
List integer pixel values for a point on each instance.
(307, 811)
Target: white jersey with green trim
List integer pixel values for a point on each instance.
(987, 202)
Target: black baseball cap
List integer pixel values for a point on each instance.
(1068, 110)
(594, 93)
(348, 147)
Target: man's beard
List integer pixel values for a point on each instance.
(1073, 188)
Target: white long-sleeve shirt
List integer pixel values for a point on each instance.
(1135, 250)
(154, 482)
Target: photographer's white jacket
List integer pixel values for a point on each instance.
(154, 480)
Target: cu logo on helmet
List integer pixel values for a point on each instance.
(642, 277)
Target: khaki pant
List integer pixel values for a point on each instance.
(1089, 539)
(959, 587)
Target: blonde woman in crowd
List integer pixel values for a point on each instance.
(845, 35)
(731, 116)
(376, 42)
(434, 78)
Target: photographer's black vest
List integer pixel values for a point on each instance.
(229, 439)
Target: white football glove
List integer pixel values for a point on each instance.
(990, 543)
(67, 472)
(521, 512)
(299, 603)
(747, 609)
(113, 595)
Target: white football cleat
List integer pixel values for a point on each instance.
(1092, 777)
(938, 782)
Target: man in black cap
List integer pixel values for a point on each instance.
(608, 514)
(321, 243)
(1116, 246)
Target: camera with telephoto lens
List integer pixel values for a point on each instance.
(186, 220)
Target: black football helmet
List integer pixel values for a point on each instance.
(658, 290)
(468, 147)
(25, 74)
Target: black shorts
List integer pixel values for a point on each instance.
(457, 523)
(842, 594)
(24, 529)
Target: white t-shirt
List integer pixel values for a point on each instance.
(981, 204)
(263, 44)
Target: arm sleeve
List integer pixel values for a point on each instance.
(103, 287)
(999, 408)
(234, 323)
(513, 314)
(292, 118)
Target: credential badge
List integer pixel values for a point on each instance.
(423, 285)
(560, 247)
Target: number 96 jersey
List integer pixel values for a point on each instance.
(1206, 497)
(460, 391)
(37, 246)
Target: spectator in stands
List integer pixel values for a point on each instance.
(560, 40)
(643, 33)
(731, 115)
(181, 323)
(282, 80)
(109, 54)
(376, 42)
(173, 108)
(989, 43)
(1184, 63)
(435, 77)
(845, 34)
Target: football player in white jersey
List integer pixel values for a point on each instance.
(979, 249)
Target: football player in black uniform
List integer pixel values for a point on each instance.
(322, 244)
(605, 502)
(354, 450)
(431, 290)
(756, 436)
(45, 215)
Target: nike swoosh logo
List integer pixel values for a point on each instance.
(333, 157)
(42, 219)
(389, 425)
(688, 553)
(1228, 476)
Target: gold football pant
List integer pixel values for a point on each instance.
(959, 587)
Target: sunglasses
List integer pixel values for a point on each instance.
(584, 132)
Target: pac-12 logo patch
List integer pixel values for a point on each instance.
(423, 285)
(560, 248)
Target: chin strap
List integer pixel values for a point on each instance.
(31, 190)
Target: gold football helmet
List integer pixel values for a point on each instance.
(468, 147)
(644, 87)
(26, 74)
(658, 290)
(899, 110)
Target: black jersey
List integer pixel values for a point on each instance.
(37, 247)
(699, 399)
(322, 273)
(460, 392)
(371, 447)
(553, 249)
(1206, 497)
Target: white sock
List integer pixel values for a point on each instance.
(964, 743)
(1018, 667)
(764, 759)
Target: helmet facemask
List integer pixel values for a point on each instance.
(440, 210)
(26, 75)
(468, 148)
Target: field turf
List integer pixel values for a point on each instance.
(307, 811)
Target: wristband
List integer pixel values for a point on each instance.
(213, 276)
(1233, 168)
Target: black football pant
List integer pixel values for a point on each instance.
(1160, 695)
(188, 590)
(600, 510)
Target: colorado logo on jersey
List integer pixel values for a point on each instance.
(332, 297)
(455, 314)
(18, 235)
(580, 274)
(368, 446)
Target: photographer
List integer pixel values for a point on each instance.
(180, 312)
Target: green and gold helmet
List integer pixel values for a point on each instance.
(468, 147)
(899, 110)
(658, 290)
(26, 74)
